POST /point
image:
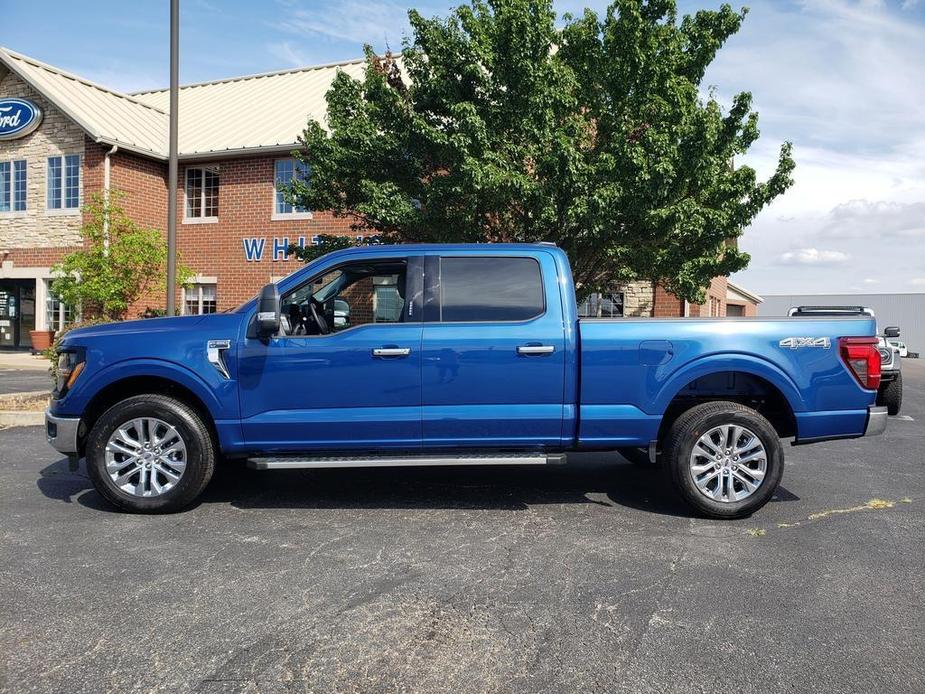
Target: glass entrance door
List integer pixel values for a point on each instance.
(9, 314)
(26, 315)
(17, 313)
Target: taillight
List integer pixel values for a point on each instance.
(862, 358)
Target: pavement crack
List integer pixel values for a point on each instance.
(654, 618)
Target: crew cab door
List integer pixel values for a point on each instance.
(346, 375)
(494, 361)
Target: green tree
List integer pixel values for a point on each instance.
(327, 243)
(495, 125)
(118, 263)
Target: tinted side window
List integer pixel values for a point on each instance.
(490, 289)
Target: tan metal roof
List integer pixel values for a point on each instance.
(266, 111)
(257, 111)
(105, 115)
(742, 292)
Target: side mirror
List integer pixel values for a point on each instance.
(892, 331)
(268, 311)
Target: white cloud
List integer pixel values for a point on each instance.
(880, 219)
(842, 80)
(870, 280)
(354, 21)
(289, 54)
(813, 256)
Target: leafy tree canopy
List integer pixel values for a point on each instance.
(497, 125)
(327, 243)
(116, 265)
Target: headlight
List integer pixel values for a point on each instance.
(70, 364)
(885, 355)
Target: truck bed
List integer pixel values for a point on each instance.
(632, 369)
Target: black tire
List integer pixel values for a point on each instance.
(200, 449)
(891, 395)
(684, 434)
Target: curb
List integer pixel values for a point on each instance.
(24, 394)
(14, 418)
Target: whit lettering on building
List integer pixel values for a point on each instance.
(254, 247)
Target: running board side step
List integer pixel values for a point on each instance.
(301, 462)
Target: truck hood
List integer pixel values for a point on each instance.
(133, 327)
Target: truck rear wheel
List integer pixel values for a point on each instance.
(150, 454)
(891, 395)
(725, 459)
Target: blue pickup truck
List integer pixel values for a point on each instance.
(453, 355)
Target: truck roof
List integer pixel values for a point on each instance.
(388, 248)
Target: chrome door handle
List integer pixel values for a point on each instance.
(391, 351)
(536, 349)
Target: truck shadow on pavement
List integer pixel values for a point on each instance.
(602, 479)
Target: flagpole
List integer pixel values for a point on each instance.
(172, 159)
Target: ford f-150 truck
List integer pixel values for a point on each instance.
(449, 355)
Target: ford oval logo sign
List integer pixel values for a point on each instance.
(18, 118)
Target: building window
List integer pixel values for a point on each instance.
(201, 194)
(602, 306)
(733, 310)
(57, 313)
(387, 302)
(199, 299)
(13, 186)
(288, 170)
(64, 182)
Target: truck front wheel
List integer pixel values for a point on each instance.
(725, 459)
(150, 454)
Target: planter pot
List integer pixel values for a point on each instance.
(41, 339)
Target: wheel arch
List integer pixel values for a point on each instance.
(749, 382)
(121, 388)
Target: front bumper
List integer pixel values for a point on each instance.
(61, 432)
(876, 421)
(888, 376)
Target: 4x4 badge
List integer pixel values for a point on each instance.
(797, 342)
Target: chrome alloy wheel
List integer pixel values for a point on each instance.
(145, 457)
(728, 463)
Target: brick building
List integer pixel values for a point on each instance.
(235, 142)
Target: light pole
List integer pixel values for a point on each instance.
(172, 159)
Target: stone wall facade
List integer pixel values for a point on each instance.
(638, 299)
(37, 226)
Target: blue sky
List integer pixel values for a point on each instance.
(843, 79)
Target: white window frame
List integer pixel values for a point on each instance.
(54, 211)
(202, 194)
(284, 216)
(14, 212)
(61, 311)
(197, 286)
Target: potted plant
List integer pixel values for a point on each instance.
(41, 339)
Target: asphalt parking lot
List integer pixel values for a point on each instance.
(13, 380)
(589, 577)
